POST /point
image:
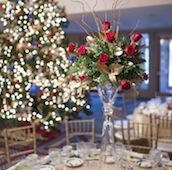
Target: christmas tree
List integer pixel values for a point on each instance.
(34, 84)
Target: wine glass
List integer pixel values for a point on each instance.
(119, 151)
(127, 152)
(154, 157)
(165, 158)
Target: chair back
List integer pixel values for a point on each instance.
(143, 136)
(165, 125)
(129, 98)
(80, 128)
(19, 137)
(165, 132)
(162, 94)
(118, 125)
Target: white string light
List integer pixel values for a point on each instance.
(31, 29)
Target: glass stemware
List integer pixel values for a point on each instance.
(127, 152)
(165, 158)
(55, 156)
(107, 93)
(154, 157)
(119, 152)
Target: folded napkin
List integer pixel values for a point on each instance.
(144, 163)
(135, 156)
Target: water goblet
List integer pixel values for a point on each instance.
(82, 148)
(119, 150)
(66, 151)
(127, 152)
(154, 157)
(165, 158)
(55, 156)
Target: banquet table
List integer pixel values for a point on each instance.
(160, 108)
(91, 164)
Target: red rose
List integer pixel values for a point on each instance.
(103, 59)
(82, 50)
(145, 76)
(105, 25)
(130, 50)
(71, 47)
(136, 36)
(125, 85)
(110, 36)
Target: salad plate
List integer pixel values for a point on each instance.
(74, 162)
(144, 163)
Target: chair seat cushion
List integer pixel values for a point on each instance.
(119, 135)
(165, 145)
(118, 124)
(130, 117)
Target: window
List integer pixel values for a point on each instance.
(145, 55)
(165, 65)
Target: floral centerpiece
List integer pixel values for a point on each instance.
(108, 60)
(107, 56)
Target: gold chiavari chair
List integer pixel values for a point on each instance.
(120, 125)
(142, 137)
(162, 94)
(79, 128)
(23, 138)
(165, 132)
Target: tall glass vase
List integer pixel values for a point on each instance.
(107, 94)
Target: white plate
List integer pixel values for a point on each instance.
(144, 163)
(94, 155)
(109, 159)
(46, 167)
(74, 162)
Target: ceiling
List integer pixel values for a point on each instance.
(140, 18)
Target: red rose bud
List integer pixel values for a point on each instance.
(130, 50)
(136, 36)
(110, 36)
(105, 25)
(103, 59)
(125, 85)
(145, 76)
(82, 50)
(71, 47)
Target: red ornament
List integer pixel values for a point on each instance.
(83, 77)
(1, 5)
(50, 35)
(51, 94)
(41, 92)
(145, 77)
(72, 78)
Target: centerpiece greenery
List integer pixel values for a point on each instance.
(108, 56)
